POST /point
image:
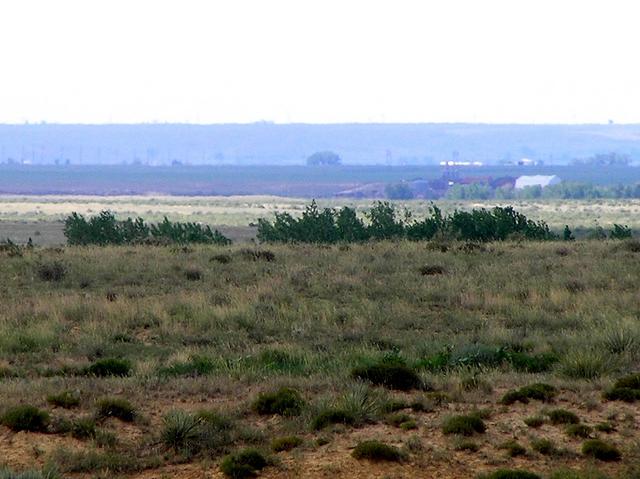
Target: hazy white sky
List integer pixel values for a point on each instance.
(209, 61)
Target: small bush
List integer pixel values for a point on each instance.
(221, 258)
(546, 447)
(622, 394)
(513, 448)
(605, 427)
(466, 445)
(432, 269)
(534, 421)
(562, 416)
(116, 407)
(25, 418)
(578, 430)
(258, 255)
(285, 443)
(83, 428)
(600, 450)
(390, 374)
(196, 366)
(465, 425)
(527, 363)
(6, 473)
(243, 464)
(66, 399)
(512, 474)
(584, 364)
(193, 274)
(376, 451)
(631, 381)
(180, 430)
(333, 416)
(397, 420)
(109, 367)
(53, 272)
(285, 402)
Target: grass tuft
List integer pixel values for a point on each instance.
(465, 425)
(25, 418)
(377, 451)
(116, 407)
(284, 402)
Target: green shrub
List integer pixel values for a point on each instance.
(376, 451)
(562, 416)
(284, 401)
(534, 421)
(180, 430)
(109, 367)
(83, 428)
(578, 430)
(52, 272)
(333, 416)
(605, 427)
(584, 364)
(196, 366)
(432, 269)
(620, 232)
(622, 394)
(390, 374)
(512, 474)
(466, 445)
(6, 473)
(527, 363)
(25, 418)
(397, 419)
(513, 448)
(116, 407)
(65, 399)
(243, 464)
(600, 450)
(631, 381)
(465, 425)
(539, 391)
(285, 443)
(546, 447)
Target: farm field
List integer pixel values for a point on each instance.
(40, 217)
(153, 362)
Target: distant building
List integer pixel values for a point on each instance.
(536, 180)
(529, 162)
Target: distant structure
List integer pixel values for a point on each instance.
(536, 180)
(529, 162)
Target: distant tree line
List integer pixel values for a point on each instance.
(383, 221)
(564, 190)
(104, 229)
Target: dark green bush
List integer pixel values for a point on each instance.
(600, 450)
(578, 430)
(104, 229)
(83, 428)
(66, 399)
(513, 448)
(512, 474)
(562, 416)
(534, 421)
(25, 418)
(243, 464)
(196, 366)
(620, 232)
(605, 427)
(333, 416)
(527, 363)
(465, 425)
(467, 445)
(53, 272)
(376, 451)
(631, 381)
(109, 367)
(390, 374)
(432, 269)
(538, 391)
(285, 443)
(622, 394)
(546, 447)
(284, 401)
(116, 407)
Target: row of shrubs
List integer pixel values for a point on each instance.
(385, 222)
(105, 229)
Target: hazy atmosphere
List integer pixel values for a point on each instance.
(349, 239)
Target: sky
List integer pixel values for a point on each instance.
(319, 61)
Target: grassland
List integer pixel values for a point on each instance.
(40, 217)
(413, 345)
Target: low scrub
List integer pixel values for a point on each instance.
(243, 464)
(578, 430)
(109, 367)
(562, 416)
(52, 272)
(25, 418)
(197, 365)
(465, 425)
(65, 399)
(286, 443)
(513, 448)
(377, 451)
(116, 407)
(625, 389)
(284, 402)
(546, 447)
(331, 416)
(538, 391)
(391, 374)
(600, 450)
(511, 474)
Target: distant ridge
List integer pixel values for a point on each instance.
(289, 144)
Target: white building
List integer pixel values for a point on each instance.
(536, 180)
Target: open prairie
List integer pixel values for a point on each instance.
(461, 359)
